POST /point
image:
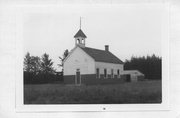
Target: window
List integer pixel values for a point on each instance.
(78, 40)
(118, 73)
(105, 73)
(112, 73)
(78, 70)
(97, 72)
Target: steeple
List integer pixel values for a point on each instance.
(80, 23)
(80, 34)
(80, 37)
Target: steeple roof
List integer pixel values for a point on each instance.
(80, 34)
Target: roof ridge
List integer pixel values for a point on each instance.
(95, 49)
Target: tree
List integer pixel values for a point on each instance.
(65, 54)
(47, 64)
(149, 65)
(27, 62)
(32, 64)
(36, 64)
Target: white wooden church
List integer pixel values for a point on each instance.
(89, 65)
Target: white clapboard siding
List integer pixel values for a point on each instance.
(78, 59)
(109, 66)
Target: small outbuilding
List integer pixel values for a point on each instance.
(133, 75)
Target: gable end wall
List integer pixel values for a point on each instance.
(79, 60)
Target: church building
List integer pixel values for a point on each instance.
(85, 65)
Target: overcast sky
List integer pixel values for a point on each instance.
(128, 30)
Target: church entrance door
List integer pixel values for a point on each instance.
(78, 77)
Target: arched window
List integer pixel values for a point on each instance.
(78, 40)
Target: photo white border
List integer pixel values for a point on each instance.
(20, 107)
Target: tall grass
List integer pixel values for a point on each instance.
(137, 92)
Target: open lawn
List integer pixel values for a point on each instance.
(136, 92)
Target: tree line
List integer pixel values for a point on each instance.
(151, 66)
(40, 69)
(37, 65)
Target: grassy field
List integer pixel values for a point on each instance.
(137, 92)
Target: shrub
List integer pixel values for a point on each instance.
(31, 78)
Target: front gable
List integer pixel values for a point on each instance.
(74, 50)
(78, 59)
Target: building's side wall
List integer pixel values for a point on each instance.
(79, 60)
(69, 79)
(85, 79)
(108, 67)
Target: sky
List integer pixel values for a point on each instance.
(127, 29)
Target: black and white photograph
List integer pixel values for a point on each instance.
(93, 55)
(94, 58)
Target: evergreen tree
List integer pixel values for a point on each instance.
(32, 64)
(65, 54)
(36, 64)
(47, 64)
(149, 65)
(27, 62)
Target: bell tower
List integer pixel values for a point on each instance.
(80, 37)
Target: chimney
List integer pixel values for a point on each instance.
(106, 47)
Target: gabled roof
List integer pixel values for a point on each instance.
(80, 34)
(137, 72)
(102, 55)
